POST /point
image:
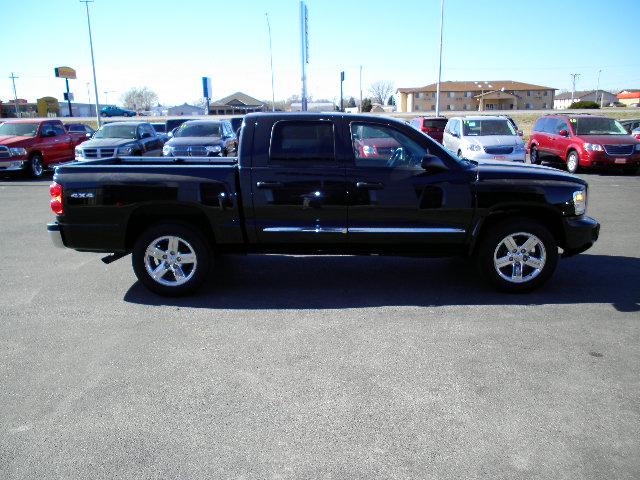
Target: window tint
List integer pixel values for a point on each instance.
(435, 123)
(302, 141)
(382, 146)
(561, 125)
(540, 124)
(59, 129)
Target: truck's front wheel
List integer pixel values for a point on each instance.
(171, 259)
(518, 255)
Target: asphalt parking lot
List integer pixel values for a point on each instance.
(319, 367)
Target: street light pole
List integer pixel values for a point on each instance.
(273, 92)
(440, 60)
(15, 95)
(341, 94)
(360, 88)
(598, 88)
(93, 63)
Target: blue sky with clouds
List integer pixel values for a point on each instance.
(168, 45)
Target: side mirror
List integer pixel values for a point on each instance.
(145, 135)
(563, 133)
(88, 135)
(433, 164)
(520, 133)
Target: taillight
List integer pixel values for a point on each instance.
(56, 190)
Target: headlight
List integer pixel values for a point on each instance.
(637, 147)
(593, 147)
(17, 152)
(167, 150)
(126, 150)
(580, 202)
(474, 147)
(79, 153)
(213, 149)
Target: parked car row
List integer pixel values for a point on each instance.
(575, 141)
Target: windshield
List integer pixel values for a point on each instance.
(437, 123)
(198, 130)
(19, 129)
(481, 128)
(116, 131)
(159, 127)
(597, 126)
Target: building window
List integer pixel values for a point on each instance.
(544, 105)
(417, 108)
(527, 106)
(529, 93)
(433, 95)
(418, 94)
(433, 107)
(468, 94)
(464, 107)
(451, 94)
(449, 107)
(545, 93)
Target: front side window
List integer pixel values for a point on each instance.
(59, 130)
(302, 141)
(383, 146)
(480, 128)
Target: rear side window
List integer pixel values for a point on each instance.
(302, 141)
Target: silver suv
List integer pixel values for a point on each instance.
(483, 138)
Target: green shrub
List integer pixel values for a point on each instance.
(584, 104)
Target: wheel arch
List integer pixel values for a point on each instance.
(146, 216)
(547, 217)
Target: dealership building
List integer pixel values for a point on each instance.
(476, 96)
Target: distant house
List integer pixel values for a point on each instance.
(563, 100)
(629, 97)
(236, 104)
(185, 109)
(476, 95)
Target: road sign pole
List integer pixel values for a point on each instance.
(68, 97)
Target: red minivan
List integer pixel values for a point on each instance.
(432, 126)
(584, 141)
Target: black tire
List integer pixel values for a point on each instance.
(573, 162)
(36, 166)
(534, 156)
(191, 241)
(492, 245)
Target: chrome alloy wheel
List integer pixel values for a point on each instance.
(170, 261)
(519, 257)
(36, 166)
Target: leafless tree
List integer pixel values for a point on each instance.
(381, 91)
(139, 99)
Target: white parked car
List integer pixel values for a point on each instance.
(484, 138)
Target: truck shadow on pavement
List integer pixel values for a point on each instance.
(335, 282)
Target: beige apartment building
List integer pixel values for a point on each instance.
(477, 96)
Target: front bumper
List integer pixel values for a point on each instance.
(511, 157)
(580, 234)
(603, 159)
(55, 234)
(12, 165)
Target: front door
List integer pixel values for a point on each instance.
(393, 201)
(298, 184)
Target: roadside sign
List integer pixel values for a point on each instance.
(65, 72)
(206, 87)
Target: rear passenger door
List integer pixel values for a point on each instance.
(298, 182)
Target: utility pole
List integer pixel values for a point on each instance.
(273, 92)
(574, 77)
(341, 96)
(598, 89)
(360, 89)
(304, 51)
(93, 63)
(88, 94)
(440, 60)
(15, 95)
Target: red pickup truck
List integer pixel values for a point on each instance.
(36, 145)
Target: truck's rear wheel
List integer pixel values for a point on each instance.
(171, 259)
(518, 255)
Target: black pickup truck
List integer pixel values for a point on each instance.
(322, 184)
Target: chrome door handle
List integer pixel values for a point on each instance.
(370, 185)
(269, 184)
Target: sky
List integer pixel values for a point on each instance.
(168, 45)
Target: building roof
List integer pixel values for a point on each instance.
(629, 94)
(475, 86)
(578, 94)
(240, 99)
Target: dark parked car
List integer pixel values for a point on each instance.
(202, 138)
(630, 124)
(584, 141)
(80, 128)
(173, 123)
(432, 126)
(300, 185)
(121, 139)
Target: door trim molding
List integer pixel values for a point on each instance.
(362, 230)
